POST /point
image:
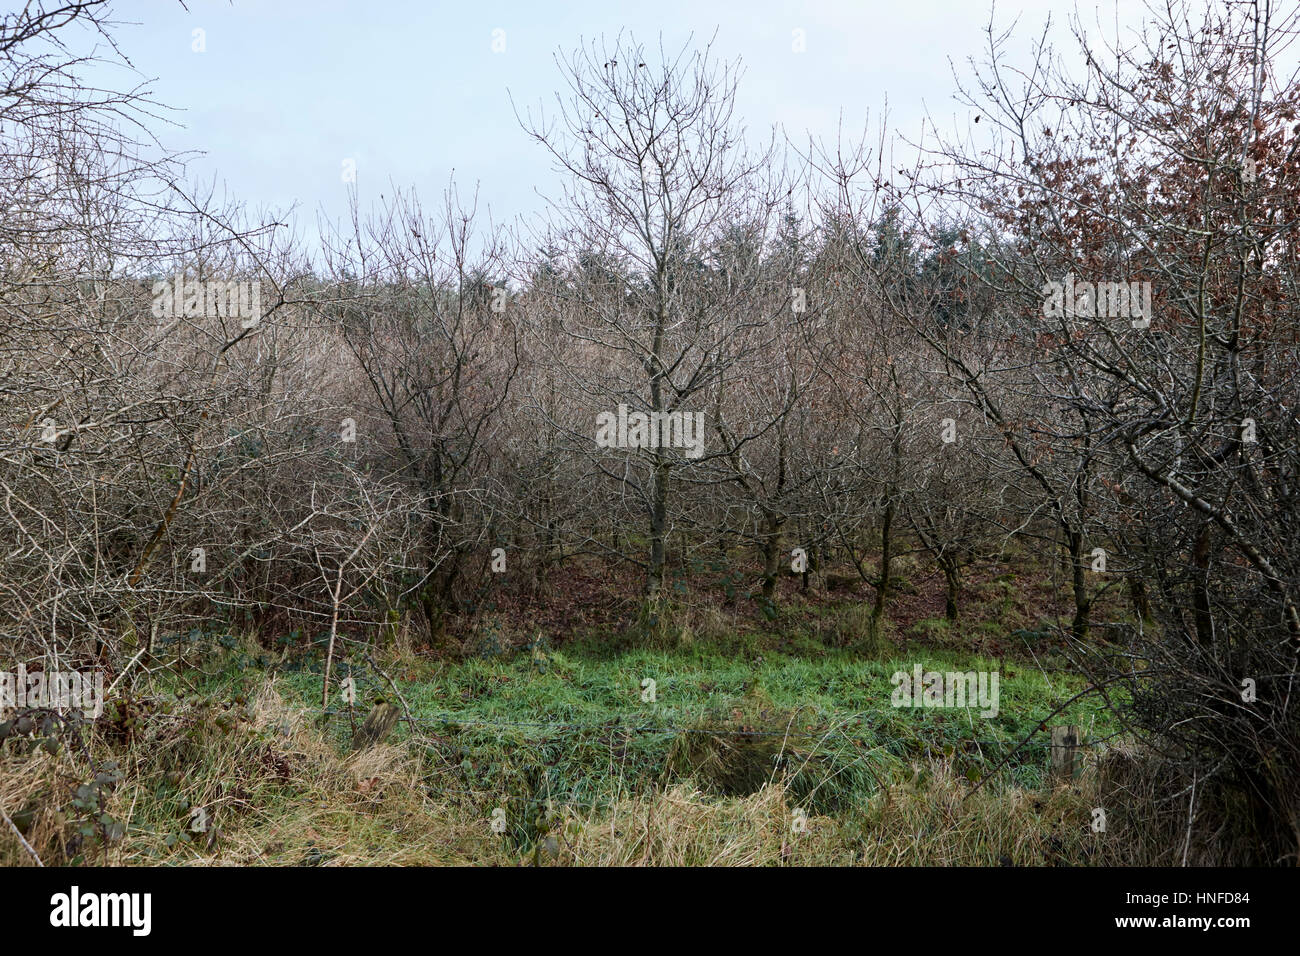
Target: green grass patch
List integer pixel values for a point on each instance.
(533, 731)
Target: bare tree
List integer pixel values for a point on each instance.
(658, 178)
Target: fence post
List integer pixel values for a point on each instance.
(378, 725)
(1065, 751)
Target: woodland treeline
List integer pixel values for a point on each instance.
(410, 418)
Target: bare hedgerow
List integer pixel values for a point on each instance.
(1138, 361)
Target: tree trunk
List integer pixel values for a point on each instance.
(952, 580)
(1082, 604)
(658, 530)
(886, 557)
(1137, 594)
(772, 554)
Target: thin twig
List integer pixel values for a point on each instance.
(21, 839)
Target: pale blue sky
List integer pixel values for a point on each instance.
(287, 89)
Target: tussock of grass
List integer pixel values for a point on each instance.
(683, 827)
(921, 822)
(274, 790)
(935, 819)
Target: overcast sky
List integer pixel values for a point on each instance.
(286, 90)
